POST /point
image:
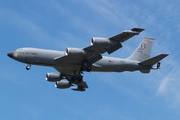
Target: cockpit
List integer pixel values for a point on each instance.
(19, 49)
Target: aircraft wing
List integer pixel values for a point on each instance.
(98, 46)
(113, 43)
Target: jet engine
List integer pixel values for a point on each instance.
(53, 77)
(74, 52)
(63, 84)
(99, 41)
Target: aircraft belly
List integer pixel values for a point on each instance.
(44, 58)
(115, 65)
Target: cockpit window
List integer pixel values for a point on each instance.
(20, 49)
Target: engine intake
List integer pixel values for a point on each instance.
(74, 52)
(100, 41)
(53, 77)
(63, 84)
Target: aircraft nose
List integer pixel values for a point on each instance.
(10, 54)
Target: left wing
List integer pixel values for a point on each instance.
(102, 45)
(92, 53)
(111, 44)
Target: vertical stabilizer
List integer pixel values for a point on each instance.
(143, 51)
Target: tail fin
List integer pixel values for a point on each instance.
(143, 51)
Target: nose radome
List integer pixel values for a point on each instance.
(10, 54)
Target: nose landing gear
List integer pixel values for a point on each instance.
(28, 66)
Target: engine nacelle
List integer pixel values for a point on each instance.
(53, 77)
(100, 41)
(63, 84)
(74, 52)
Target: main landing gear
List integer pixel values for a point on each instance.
(86, 67)
(28, 66)
(78, 78)
(77, 74)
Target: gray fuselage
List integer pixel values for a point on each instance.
(47, 58)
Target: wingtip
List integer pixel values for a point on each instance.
(165, 54)
(138, 29)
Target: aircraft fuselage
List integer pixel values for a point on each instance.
(46, 57)
(71, 63)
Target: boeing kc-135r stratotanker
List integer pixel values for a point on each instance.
(74, 61)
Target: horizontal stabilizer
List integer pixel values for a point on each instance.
(153, 60)
(145, 70)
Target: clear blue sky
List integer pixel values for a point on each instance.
(53, 24)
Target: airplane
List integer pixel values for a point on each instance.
(72, 63)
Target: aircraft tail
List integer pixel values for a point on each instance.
(150, 62)
(143, 51)
(154, 60)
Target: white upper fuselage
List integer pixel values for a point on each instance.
(46, 57)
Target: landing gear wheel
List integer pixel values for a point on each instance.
(79, 79)
(88, 69)
(83, 68)
(28, 67)
(74, 78)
